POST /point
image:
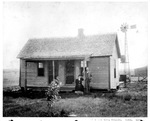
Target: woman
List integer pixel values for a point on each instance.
(79, 86)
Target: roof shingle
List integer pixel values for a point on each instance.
(96, 45)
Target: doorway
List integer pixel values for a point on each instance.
(52, 70)
(69, 71)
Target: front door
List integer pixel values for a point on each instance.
(69, 71)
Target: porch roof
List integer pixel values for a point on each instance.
(70, 47)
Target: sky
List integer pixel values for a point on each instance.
(25, 20)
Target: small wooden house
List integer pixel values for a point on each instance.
(43, 59)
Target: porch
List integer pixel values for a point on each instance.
(40, 73)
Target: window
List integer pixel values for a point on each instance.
(40, 69)
(114, 68)
(114, 72)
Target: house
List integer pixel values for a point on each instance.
(42, 59)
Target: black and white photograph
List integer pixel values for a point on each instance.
(75, 59)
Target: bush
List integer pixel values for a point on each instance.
(52, 92)
(127, 97)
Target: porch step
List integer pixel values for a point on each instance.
(62, 88)
(67, 88)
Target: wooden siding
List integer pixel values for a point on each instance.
(99, 68)
(114, 60)
(32, 78)
(22, 73)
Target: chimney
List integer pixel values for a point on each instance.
(80, 33)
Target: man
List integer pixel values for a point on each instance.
(88, 80)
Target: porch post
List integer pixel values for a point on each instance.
(84, 76)
(20, 74)
(53, 69)
(25, 75)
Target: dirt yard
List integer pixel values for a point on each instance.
(127, 102)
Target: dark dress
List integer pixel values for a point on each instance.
(79, 86)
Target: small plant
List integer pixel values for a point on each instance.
(52, 94)
(127, 97)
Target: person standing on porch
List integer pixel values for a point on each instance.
(88, 79)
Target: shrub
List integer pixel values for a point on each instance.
(127, 97)
(52, 95)
(52, 92)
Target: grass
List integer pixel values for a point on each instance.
(128, 102)
(102, 107)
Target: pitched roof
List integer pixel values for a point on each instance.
(96, 45)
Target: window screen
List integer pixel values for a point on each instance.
(114, 68)
(40, 69)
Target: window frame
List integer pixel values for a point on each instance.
(115, 75)
(40, 71)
